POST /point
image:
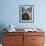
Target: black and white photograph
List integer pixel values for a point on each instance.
(26, 13)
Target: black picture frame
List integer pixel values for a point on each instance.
(26, 13)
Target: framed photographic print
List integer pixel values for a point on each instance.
(26, 13)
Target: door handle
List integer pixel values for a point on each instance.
(33, 39)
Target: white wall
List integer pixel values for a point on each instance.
(10, 13)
